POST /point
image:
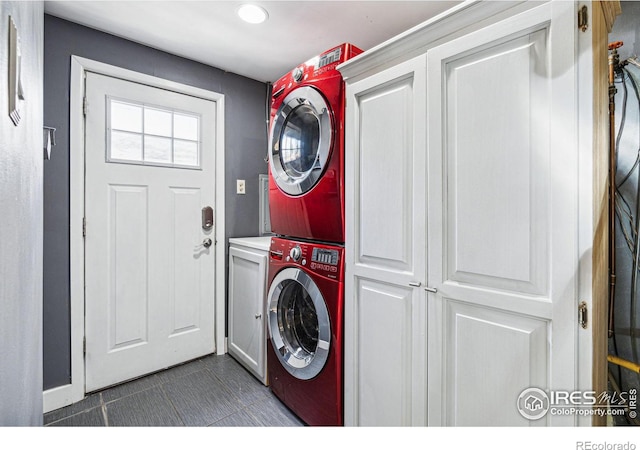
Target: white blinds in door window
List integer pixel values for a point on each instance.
(149, 135)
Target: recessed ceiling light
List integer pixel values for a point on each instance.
(252, 13)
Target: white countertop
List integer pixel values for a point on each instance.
(258, 242)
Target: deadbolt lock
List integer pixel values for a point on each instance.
(207, 218)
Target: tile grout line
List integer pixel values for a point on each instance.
(246, 408)
(152, 384)
(226, 387)
(70, 414)
(161, 386)
(256, 418)
(103, 408)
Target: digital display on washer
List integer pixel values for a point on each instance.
(324, 256)
(329, 58)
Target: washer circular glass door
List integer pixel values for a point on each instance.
(299, 323)
(300, 140)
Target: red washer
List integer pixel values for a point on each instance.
(305, 307)
(306, 149)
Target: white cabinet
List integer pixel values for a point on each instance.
(248, 266)
(463, 237)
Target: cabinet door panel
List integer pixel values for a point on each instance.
(490, 356)
(386, 205)
(386, 150)
(496, 154)
(502, 218)
(384, 331)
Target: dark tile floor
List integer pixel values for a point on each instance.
(212, 391)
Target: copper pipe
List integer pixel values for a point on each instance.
(613, 66)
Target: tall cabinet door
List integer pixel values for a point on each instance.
(385, 313)
(502, 218)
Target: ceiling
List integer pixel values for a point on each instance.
(210, 32)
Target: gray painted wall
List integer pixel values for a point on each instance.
(21, 158)
(626, 29)
(246, 143)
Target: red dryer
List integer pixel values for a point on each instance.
(305, 319)
(306, 149)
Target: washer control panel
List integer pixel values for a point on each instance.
(297, 74)
(325, 256)
(295, 253)
(323, 259)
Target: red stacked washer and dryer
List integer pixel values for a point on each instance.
(306, 269)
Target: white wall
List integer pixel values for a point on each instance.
(21, 165)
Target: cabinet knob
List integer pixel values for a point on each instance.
(258, 315)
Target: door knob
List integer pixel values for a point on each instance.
(207, 243)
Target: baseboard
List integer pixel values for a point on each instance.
(57, 397)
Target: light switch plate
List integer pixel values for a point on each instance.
(240, 187)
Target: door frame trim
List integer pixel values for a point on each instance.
(79, 66)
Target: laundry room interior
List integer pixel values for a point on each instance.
(322, 214)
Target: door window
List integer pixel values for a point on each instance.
(299, 142)
(301, 137)
(143, 134)
(299, 324)
(298, 320)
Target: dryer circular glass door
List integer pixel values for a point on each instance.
(301, 136)
(299, 323)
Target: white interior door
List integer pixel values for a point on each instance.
(149, 280)
(502, 219)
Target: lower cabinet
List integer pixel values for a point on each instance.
(248, 266)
